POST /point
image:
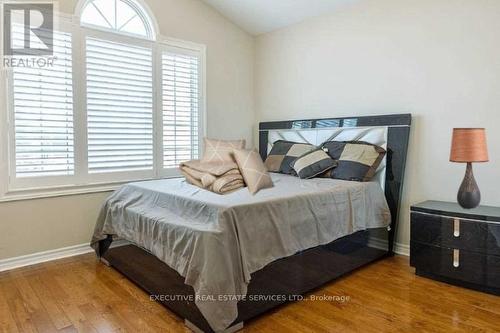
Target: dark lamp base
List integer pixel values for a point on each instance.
(469, 195)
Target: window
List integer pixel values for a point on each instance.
(118, 105)
(43, 115)
(180, 82)
(121, 16)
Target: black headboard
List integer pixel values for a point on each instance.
(398, 133)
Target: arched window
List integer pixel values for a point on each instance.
(120, 16)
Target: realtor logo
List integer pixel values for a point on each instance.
(28, 29)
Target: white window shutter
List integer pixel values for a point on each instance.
(119, 107)
(180, 107)
(43, 114)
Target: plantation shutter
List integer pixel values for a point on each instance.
(180, 107)
(43, 113)
(119, 106)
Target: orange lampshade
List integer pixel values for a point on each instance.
(469, 145)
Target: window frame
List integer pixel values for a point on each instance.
(118, 38)
(12, 188)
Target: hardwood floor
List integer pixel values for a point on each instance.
(79, 294)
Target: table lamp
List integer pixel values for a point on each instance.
(468, 146)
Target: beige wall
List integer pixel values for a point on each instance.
(39, 225)
(45, 224)
(438, 59)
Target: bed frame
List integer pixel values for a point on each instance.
(304, 271)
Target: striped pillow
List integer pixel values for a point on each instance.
(313, 163)
(357, 160)
(284, 153)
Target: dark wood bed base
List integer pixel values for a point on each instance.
(288, 277)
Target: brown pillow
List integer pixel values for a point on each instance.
(313, 163)
(284, 153)
(253, 170)
(220, 150)
(356, 160)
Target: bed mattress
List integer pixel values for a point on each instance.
(217, 241)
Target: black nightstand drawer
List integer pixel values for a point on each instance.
(492, 271)
(458, 233)
(466, 266)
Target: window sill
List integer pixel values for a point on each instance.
(62, 191)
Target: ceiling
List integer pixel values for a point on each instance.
(261, 16)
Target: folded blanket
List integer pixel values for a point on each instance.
(217, 177)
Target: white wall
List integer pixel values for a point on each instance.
(37, 225)
(437, 59)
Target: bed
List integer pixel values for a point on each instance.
(218, 261)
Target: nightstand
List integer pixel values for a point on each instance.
(456, 245)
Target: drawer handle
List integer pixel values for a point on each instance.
(456, 258)
(456, 228)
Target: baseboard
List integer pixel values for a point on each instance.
(399, 248)
(402, 249)
(40, 257)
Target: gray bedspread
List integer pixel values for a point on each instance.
(216, 241)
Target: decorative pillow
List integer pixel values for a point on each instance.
(284, 153)
(357, 160)
(253, 170)
(220, 150)
(313, 163)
